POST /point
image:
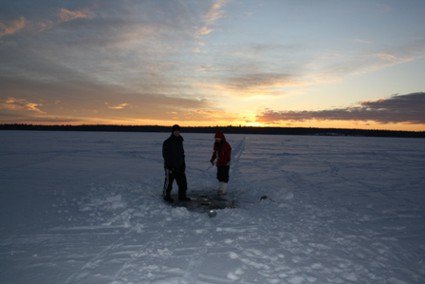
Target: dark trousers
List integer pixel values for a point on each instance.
(180, 178)
(223, 173)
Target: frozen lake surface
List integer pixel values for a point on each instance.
(81, 207)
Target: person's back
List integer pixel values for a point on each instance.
(173, 153)
(223, 152)
(174, 165)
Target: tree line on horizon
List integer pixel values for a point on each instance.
(227, 129)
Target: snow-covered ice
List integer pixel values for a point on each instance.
(81, 207)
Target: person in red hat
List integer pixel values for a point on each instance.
(221, 158)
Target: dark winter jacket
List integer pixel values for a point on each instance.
(173, 153)
(222, 151)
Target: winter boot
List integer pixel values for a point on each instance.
(182, 195)
(184, 199)
(222, 188)
(167, 197)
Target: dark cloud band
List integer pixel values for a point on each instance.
(409, 108)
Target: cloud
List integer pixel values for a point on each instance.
(118, 107)
(84, 100)
(13, 104)
(66, 15)
(144, 50)
(214, 13)
(13, 27)
(247, 80)
(22, 23)
(38, 119)
(256, 81)
(44, 25)
(334, 66)
(407, 108)
(270, 69)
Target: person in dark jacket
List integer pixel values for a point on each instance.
(174, 165)
(221, 158)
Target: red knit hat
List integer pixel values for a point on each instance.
(219, 134)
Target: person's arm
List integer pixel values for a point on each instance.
(214, 155)
(166, 155)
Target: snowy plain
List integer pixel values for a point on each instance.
(84, 207)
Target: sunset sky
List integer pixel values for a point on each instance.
(313, 63)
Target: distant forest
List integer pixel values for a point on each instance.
(225, 129)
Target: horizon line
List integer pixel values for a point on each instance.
(200, 127)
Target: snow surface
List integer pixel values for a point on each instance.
(81, 207)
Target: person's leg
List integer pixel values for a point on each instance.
(182, 184)
(226, 170)
(168, 185)
(219, 173)
(223, 178)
